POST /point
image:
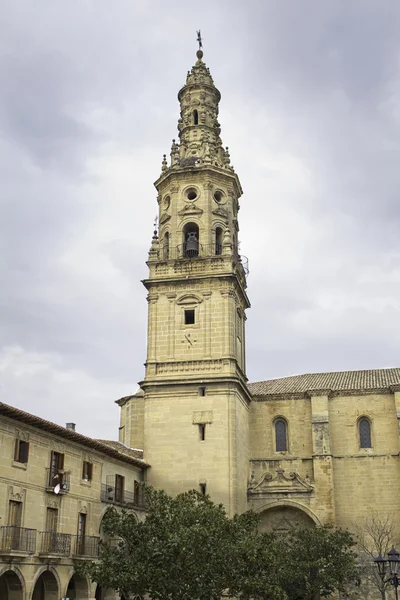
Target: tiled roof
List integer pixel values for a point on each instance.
(378, 379)
(134, 452)
(103, 446)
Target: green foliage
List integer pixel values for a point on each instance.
(188, 549)
(317, 561)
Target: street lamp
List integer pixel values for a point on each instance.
(389, 568)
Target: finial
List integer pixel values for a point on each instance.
(155, 227)
(164, 164)
(199, 52)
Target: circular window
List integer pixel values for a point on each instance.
(167, 202)
(191, 194)
(219, 197)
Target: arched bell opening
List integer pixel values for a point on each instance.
(46, 587)
(218, 240)
(165, 245)
(78, 588)
(191, 240)
(11, 586)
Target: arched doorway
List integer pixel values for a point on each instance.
(46, 587)
(284, 517)
(10, 586)
(78, 588)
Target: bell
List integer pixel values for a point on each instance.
(192, 244)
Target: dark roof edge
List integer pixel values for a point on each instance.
(69, 434)
(306, 395)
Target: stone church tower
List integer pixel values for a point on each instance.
(191, 415)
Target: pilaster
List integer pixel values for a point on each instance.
(322, 453)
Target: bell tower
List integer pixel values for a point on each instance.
(192, 414)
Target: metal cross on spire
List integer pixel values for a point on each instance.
(199, 39)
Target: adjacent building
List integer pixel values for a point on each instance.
(55, 486)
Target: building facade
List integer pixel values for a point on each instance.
(293, 449)
(55, 486)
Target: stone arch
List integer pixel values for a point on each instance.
(283, 514)
(12, 585)
(47, 585)
(78, 587)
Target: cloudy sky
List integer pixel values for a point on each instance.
(311, 113)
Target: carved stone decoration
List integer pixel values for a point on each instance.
(201, 417)
(190, 209)
(164, 218)
(22, 435)
(53, 501)
(221, 212)
(16, 493)
(83, 507)
(268, 484)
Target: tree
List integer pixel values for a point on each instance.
(317, 562)
(186, 548)
(376, 535)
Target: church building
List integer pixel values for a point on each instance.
(311, 449)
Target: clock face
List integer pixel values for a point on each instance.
(188, 340)
(166, 202)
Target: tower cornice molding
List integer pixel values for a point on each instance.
(186, 173)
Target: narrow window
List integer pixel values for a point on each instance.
(189, 317)
(51, 519)
(87, 471)
(203, 489)
(136, 493)
(166, 246)
(57, 475)
(202, 391)
(195, 117)
(21, 452)
(119, 488)
(365, 433)
(81, 537)
(13, 535)
(202, 431)
(280, 435)
(218, 241)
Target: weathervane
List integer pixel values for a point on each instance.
(199, 39)
(155, 225)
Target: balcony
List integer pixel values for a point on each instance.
(86, 546)
(53, 543)
(199, 251)
(18, 540)
(115, 495)
(57, 482)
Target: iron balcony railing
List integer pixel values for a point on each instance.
(55, 543)
(17, 539)
(86, 545)
(199, 251)
(57, 481)
(117, 496)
